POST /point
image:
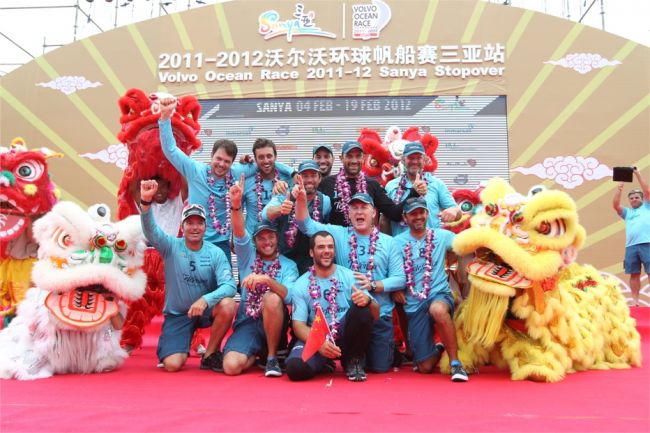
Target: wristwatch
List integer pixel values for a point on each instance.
(373, 286)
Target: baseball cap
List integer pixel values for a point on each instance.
(322, 146)
(362, 196)
(350, 145)
(261, 227)
(308, 165)
(193, 209)
(413, 147)
(414, 203)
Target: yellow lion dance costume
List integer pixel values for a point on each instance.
(531, 308)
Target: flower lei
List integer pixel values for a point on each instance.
(259, 189)
(292, 231)
(408, 268)
(354, 263)
(212, 204)
(254, 296)
(343, 191)
(401, 188)
(332, 306)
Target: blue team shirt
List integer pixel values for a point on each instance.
(388, 262)
(442, 240)
(246, 253)
(196, 175)
(438, 198)
(250, 197)
(282, 222)
(637, 224)
(303, 304)
(189, 274)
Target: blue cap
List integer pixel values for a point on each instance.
(191, 210)
(261, 227)
(349, 145)
(415, 203)
(362, 196)
(322, 146)
(413, 147)
(308, 165)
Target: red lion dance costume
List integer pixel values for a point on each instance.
(27, 194)
(140, 134)
(382, 161)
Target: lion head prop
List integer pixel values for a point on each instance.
(531, 308)
(139, 119)
(87, 267)
(382, 158)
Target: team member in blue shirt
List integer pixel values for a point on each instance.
(208, 185)
(429, 300)
(265, 277)
(349, 313)
(637, 233)
(280, 212)
(199, 285)
(260, 191)
(376, 262)
(440, 202)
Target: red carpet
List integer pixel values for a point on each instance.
(140, 397)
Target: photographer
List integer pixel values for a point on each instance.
(637, 232)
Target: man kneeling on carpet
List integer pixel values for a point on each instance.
(193, 268)
(265, 274)
(349, 311)
(429, 301)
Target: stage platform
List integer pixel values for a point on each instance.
(141, 397)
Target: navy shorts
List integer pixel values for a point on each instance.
(248, 335)
(635, 255)
(421, 323)
(380, 353)
(177, 331)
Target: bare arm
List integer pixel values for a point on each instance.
(236, 192)
(644, 186)
(616, 203)
(254, 279)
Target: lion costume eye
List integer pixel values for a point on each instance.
(517, 217)
(29, 170)
(536, 189)
(100, 241)
(466, 206)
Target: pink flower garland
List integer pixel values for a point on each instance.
(354, 262)
(254, 296)
(332, 306)
(401, 188)
(259, 189)
(292, 231)
(212, 203)
(428, 268)
(344, 194)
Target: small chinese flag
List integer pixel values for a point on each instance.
(317, 334)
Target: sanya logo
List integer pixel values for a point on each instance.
(302, 24)
(369, 19)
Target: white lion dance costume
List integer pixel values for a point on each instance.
(531, 308)
(87, 267)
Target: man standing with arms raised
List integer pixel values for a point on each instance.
(637, 233)
(208, 185)
(199, 285)
(375, 260)
(429, 301)
(265, 277)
